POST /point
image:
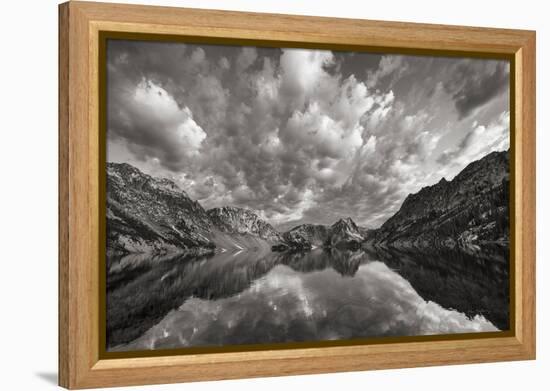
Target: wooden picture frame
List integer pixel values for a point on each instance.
(81, 24)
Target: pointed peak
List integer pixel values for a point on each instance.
(345, 221)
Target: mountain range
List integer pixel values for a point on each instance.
(154, 216)
(471, 209)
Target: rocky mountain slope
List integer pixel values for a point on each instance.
(151, 215)
(343, 234)
(471, 209)
(147, 215)
(241, 221)
(307, 235)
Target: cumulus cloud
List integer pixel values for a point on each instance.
(303, 73)
(390, 66)
(246, 58)
(301, 135)
(318, 132)
(157, 127)
(475, 82)
(479, 141)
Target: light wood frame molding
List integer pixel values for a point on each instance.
(80, 24)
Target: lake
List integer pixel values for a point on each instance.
(252, 297)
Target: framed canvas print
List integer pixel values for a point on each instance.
(249, 195)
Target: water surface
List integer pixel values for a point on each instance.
(253, 297)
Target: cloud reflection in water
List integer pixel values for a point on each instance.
(289, 306)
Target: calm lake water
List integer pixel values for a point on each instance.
(254, 297)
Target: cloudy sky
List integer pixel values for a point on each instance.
(301, 135)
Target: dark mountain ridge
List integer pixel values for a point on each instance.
(469, 210)
(150, 215)
(344, 234)
(233, 220)
(146, 214)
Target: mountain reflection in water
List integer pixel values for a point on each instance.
(252, 297)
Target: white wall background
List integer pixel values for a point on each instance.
(28, 193)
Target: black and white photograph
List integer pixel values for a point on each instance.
(263, 195)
